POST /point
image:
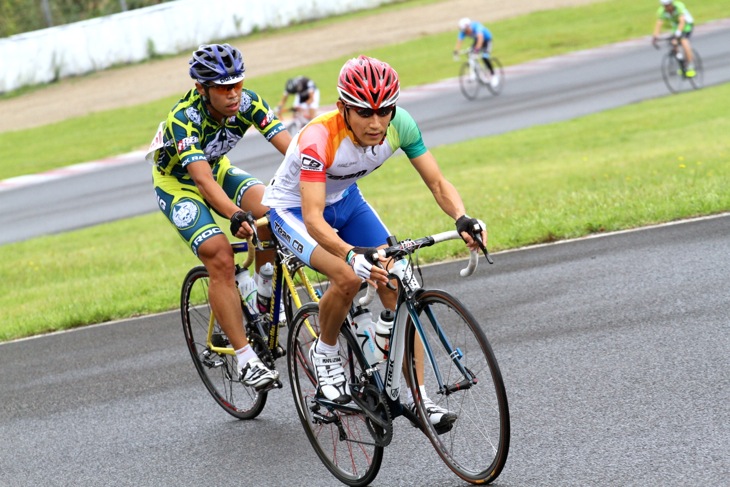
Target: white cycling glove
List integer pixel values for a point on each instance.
(360, 264)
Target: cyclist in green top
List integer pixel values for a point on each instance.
(676, 14)
(194, 178)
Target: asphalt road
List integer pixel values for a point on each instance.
(614, 349)
(541, 92)
(615, 353)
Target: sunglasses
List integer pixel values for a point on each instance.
(369, 112)
(224, 88)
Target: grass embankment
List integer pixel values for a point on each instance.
(420, 61)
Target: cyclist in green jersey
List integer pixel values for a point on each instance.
(193, 178)
(677, 15)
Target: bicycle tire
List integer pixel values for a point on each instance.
(698, 80)
(476, 446)
(497, 87)
(672, 73)
(219, 372)
(355, 462)
(468, 82)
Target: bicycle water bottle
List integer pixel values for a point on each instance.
(365, 334)
(382, 331)
(266, 273)
(247, 286)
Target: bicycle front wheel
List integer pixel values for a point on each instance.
(476, 445)
(496, 81)
(469, 81)
(339, 435)
(217, 370)
(672, 73)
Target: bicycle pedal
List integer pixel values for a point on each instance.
(273, 385)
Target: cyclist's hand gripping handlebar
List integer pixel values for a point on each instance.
(473, 228)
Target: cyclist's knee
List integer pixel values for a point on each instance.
(346, 286)
(217, 256)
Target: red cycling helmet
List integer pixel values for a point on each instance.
(366, 82)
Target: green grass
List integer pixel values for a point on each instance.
(619, 169)
(419, 61)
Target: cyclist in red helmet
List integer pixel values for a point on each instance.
(315, 202)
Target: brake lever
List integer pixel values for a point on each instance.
(252, 223)
(483, 248)
(375, 260)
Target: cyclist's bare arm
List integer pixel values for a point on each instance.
(213, 193)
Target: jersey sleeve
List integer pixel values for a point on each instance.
(404, 133)
(255, 111)
(185, 129)
(317, 153)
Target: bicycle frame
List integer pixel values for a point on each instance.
(283, 264)
(408, 287)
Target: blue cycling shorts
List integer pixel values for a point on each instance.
(356, 222)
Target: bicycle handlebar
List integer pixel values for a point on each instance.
(408, 246)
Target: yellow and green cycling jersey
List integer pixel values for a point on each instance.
(191, 134)
(672, 17)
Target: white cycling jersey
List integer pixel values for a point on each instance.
(325, 151)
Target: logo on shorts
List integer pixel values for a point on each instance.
(184, 214)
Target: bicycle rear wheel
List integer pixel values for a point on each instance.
(496, 81)
(339, 435)
(476, 446)
(219, 372)
(469, 81)
(672, 73)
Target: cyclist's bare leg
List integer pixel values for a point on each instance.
(251, 201)
(217, 256)
(687, 50)
(335, 303)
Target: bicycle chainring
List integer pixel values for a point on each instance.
(377, 413)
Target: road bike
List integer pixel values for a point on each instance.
(473, 74)
(296, 122)
(212, 353)
(460, 373)
(674, 67)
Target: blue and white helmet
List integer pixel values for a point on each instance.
(221, 64)
(464, 22)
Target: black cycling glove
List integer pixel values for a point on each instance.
(237, 220)
(469, 225)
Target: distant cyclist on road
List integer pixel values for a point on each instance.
(193, 178)
(327, 223)
(677, 15)
(306, 96)
(482, 43)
